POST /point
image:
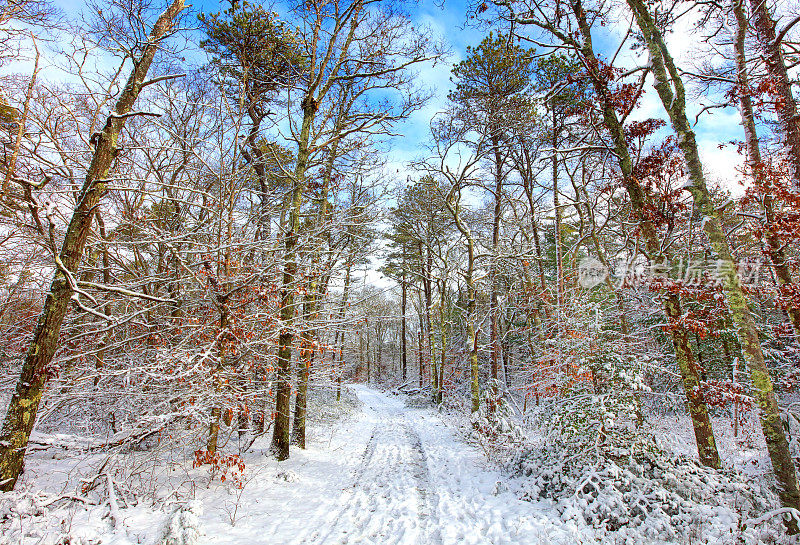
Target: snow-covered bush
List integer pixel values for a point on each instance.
(184, 526)
(598, 405)
(644, 496)
(602, 470)
(494, 423)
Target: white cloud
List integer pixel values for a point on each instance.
(722, 165)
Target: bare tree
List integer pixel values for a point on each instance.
(21, 414)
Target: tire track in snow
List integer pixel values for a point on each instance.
(391, 500)
(428, 499)
(369, 451)
(318, 535)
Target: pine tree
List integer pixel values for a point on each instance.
(488, 81)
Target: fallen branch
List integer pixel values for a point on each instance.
(113, 504)
(783, 511)
(128, 439)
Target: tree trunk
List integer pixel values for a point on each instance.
(494, 309)
(420, 344)
(434, 368)
(505, 356)
(472, 293)
(428, 283)
(340, 346)
(310, 314)
(706, 445)
(670, 89)
(695, 402)
(216, 410)
(557, 212)
(471, 333)
(786, 105)
(774, 248)
(403, 303)
(369, 357)
(281, 436)
(24, 404)
(378, 353)
(443, 348)
(301, 399)
(360, 360)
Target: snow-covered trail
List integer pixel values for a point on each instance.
(394, 476)
(390, 500)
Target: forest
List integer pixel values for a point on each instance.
(397, 272)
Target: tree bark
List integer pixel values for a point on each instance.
(216, 410)
(282, 430)
(428, 290)
(340, 346)
(403, 304)
(420, 366)
(494, 309)
(774, 248)
(310, 313)
(308, 350)
(690, 378)
(24, 404)
(786, 105)
(669, 85)
(443, 348)
(698, 410)
(557, 226)
(472, 293)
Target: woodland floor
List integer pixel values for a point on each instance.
(376, 471)
(390, 475)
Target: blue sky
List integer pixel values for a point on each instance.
(448, 20)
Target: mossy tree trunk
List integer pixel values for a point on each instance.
(669, 86)
(786, 105)
(698, 410)
(24, 404)
(773, 247)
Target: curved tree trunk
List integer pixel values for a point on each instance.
(669, 85)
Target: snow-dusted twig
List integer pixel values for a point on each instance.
(782, 511)
(113, 504)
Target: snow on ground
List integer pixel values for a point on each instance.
(376, 471)
(393, 475)
(386, 475)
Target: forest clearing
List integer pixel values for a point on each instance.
(399, 272)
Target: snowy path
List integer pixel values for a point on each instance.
(394, 476)
(391, 500)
